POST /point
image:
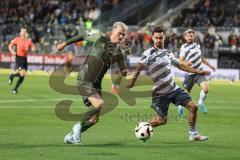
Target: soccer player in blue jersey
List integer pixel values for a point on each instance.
(158, 61)
(190, 53)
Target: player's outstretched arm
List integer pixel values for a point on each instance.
(204, 61)
(132, 81)
(186, 68)
(75, 39)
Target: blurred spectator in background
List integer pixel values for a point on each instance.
(218, 42)
(208, 42)
(68, 64)
(147, 39)
(233, 41)
(208, 13)
(47, 20)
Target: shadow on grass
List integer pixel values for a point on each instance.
(57, 145)
(133, 144)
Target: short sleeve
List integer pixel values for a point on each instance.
(14, 41)
(174, 60)
(182, 52)
(144, 58)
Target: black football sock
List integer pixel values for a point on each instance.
(19, 82)
(16, 75)
(86, 125)
(84, 120)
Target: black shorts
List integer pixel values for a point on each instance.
(21, 63)
(161, 103)
(190, 80)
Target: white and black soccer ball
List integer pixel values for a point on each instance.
(143, 131)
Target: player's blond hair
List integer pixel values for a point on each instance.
(120, 24)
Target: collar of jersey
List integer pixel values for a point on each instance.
(164, 49)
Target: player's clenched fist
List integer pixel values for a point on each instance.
(60, 47)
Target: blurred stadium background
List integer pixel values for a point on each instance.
(51, 21)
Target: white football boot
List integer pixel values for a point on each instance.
(74, 137)
(194, 136)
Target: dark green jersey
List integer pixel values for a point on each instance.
(103, 53)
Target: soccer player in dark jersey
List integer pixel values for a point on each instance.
(190, 53)
(104, 52)
(158, 61)
(22, 43)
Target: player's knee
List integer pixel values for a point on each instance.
(99, 104)
(205, 89)
(22, 74)
(194, 108)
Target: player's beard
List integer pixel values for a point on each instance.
(120, 40)
(159, 45)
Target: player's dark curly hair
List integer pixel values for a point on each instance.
(158, 30)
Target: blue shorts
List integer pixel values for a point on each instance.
(190, 80)
(161, 103)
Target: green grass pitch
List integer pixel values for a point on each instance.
(29, 128)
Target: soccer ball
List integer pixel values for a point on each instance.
(143, 131)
